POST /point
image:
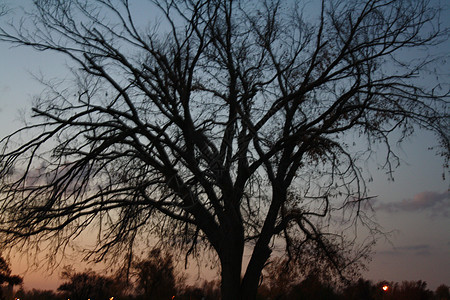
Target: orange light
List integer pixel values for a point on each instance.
(385, 288)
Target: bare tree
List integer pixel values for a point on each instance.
(228, 124)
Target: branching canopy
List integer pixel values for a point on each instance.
(225, 123)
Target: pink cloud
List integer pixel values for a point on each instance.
(437, 203)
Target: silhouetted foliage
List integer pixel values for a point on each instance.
(226, 127)
(156, 277)
(6, 277)
(89, 284)
(407, 290)
(365, 289)
(278, 278)
(284, 281)
(192, 292)
(211, 289)
(312, 288)
(5, 274)
(361, 289)
(36, 294)
(442, 292)
(207, 290)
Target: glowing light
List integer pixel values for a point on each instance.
(385, 288)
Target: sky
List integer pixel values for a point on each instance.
(415, 207)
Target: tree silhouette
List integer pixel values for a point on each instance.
(280, 278)
(361, 289)
(228, 125)
(414, 290)
(89, 285)
(284, 279)
(156, 276)
(442, 292)
(6, 277)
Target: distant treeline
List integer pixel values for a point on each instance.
(310, 288)
(155, 277)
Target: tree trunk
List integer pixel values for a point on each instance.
(232, 287)
(230, 254)
(231, 279)
(262, 251)
(252, 276)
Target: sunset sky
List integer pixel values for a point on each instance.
(415, 207)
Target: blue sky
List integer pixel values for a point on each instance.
(415, 206)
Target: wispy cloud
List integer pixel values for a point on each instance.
(436, 203)
(421, 249)
(416, 249)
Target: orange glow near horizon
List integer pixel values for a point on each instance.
(385, 288)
